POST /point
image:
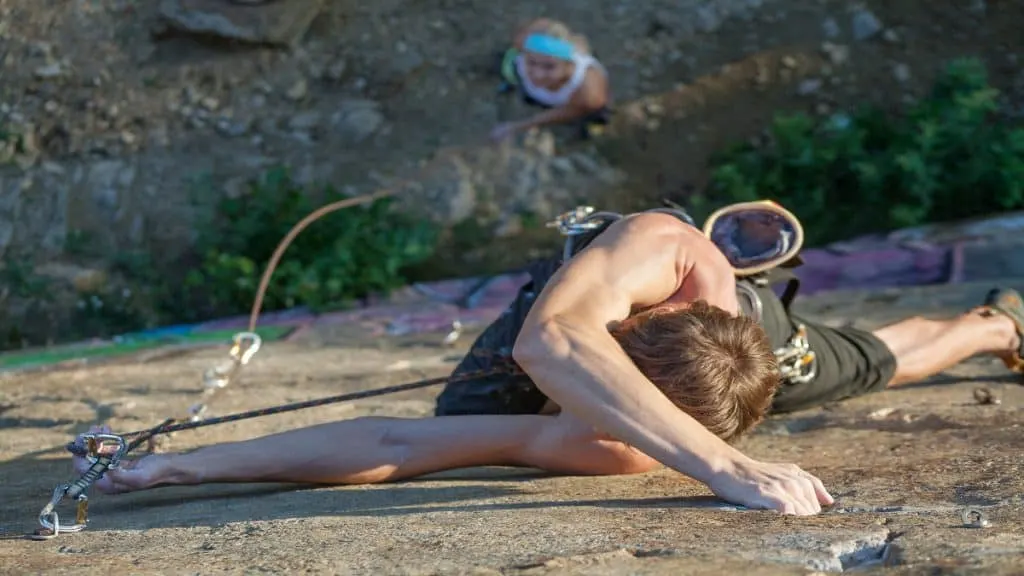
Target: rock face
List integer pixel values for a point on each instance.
(258, 21)
(34, 213)
(903, 465)
(864, 24)
(357, 120)
(52, 211)
(503, 182)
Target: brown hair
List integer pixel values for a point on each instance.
(716, 367)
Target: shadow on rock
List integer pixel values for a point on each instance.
(906, 424)
(894, 421)
(217, 505)
(27, 486)
(8, 423)
(947, 379)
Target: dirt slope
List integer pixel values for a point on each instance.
(126, 130)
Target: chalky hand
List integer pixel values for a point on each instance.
(785, 488)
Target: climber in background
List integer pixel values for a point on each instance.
(553, 68)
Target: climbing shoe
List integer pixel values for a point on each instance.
(1009, 303)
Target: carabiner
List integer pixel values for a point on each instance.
(103, 451)
(244, 354)
(111, 445)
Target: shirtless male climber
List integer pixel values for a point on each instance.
(636, 352)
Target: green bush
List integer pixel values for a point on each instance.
(343, 256)
(947, 157)
(19, 283)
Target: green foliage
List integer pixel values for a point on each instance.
(340, 257)
(12, 141)
(107, 312)
(948, 157)
(19, 283)
(18, 279)
(343, 256)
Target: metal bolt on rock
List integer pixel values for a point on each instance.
(974, 518)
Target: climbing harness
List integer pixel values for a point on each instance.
(797, 362)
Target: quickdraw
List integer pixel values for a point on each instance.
(246, 344)
(797, 362)
(104, 452)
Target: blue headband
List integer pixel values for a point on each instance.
(549, 46)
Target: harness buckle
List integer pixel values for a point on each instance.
(797, 362)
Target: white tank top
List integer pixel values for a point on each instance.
(560, 97)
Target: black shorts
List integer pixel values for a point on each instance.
(503, 393)
(851, 362)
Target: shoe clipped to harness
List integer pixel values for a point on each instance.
(762, 242)
(756, 236)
